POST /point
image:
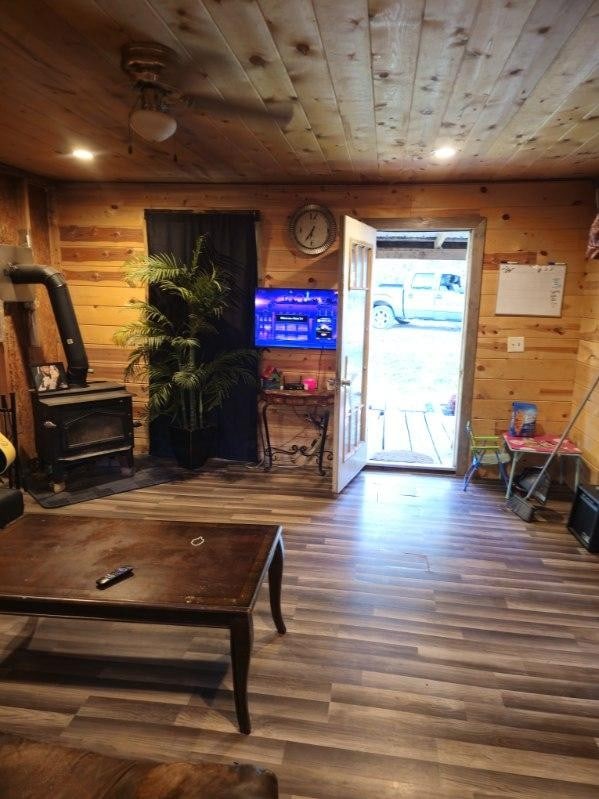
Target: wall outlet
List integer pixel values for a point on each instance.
(515, 344)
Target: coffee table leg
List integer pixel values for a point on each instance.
(241, 649)
(275, 579)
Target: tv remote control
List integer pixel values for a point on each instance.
(114, 576)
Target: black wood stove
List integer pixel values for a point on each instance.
(86, 420)
(81, 424)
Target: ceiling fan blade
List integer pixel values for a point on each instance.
(156, 72)
(278, 111)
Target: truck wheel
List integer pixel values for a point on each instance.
(383, 317)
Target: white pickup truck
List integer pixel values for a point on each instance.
(425, 293)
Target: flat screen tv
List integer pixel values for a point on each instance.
(298, 318)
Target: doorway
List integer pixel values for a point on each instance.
(420, 292)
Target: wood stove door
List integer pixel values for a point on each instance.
(70, 431)
(96, 428)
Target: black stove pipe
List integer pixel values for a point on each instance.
(64, 313)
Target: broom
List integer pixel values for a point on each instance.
(522, 506)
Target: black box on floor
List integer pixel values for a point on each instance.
(11, 505)
(584, 517)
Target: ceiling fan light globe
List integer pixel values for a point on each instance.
(151, 125)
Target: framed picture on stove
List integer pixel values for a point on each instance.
(48, 376)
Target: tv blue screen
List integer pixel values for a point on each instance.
(299, 318)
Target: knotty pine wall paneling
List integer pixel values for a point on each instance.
(24, 210)
(93, 249)
(587, 368)
(10, 224)
(100, 225)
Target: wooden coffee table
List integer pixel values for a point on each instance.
(185, 574)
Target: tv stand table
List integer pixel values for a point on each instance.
(185, 573)
(317, 408)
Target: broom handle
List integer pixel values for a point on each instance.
(562, 439)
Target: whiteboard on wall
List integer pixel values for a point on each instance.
(530, 289)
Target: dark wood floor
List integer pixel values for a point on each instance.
(437, 646)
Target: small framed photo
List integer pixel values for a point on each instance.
(49, 377)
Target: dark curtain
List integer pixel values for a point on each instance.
(231, 245)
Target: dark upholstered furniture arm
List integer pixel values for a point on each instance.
(34, 770)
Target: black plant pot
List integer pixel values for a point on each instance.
(192, 448)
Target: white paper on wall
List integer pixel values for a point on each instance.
(530, 289)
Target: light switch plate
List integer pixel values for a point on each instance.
(515, 344)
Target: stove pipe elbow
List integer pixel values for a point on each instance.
(64, 313)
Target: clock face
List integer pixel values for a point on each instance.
(313, 229)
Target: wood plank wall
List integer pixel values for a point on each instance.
(24, 210)
(100, 225)
(587, 369)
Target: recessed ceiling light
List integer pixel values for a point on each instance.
(445, 153)
(83, 155)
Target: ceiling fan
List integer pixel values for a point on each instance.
(146, 64)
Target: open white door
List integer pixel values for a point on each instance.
(358, 246)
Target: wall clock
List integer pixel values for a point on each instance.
(312, 229)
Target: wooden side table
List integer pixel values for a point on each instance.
(318, 404)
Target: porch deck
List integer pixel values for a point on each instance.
(412, 437)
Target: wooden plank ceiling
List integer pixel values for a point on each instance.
(376, 86)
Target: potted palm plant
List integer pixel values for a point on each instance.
(174, 349)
